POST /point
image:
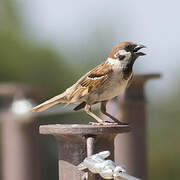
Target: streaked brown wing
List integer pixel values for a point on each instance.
(101, 70)
(92, 80)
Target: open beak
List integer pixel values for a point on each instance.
(137, 48)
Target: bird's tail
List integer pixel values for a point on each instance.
(61, 98)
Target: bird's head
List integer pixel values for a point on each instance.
(127, 51)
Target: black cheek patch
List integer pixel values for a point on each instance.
(121, 57)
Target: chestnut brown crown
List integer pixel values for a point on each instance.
(131, 47)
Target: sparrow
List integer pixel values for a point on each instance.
(101, 84)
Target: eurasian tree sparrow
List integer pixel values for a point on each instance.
(102, 83)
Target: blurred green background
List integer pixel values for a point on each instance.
(51, 44)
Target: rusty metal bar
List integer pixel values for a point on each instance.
(75, 143)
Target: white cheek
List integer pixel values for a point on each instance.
(115, 63)
(128, 56)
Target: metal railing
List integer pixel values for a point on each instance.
(107, 169)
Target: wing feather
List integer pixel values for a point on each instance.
(91, 81)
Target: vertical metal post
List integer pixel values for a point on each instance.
(90, 146)
(19, 138)
(75, 142)
(90, 152)
(131, 149)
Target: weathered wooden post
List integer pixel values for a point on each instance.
(76, 142)
(18, 134)
(131, 149)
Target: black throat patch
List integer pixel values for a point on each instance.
(127, 70)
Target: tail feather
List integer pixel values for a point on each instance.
(51, 102)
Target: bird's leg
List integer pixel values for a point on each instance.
(88, 111)
(99, 120)
(103, 110)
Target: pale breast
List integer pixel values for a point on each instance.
(111, 89)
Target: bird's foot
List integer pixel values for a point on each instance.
(103, 123)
